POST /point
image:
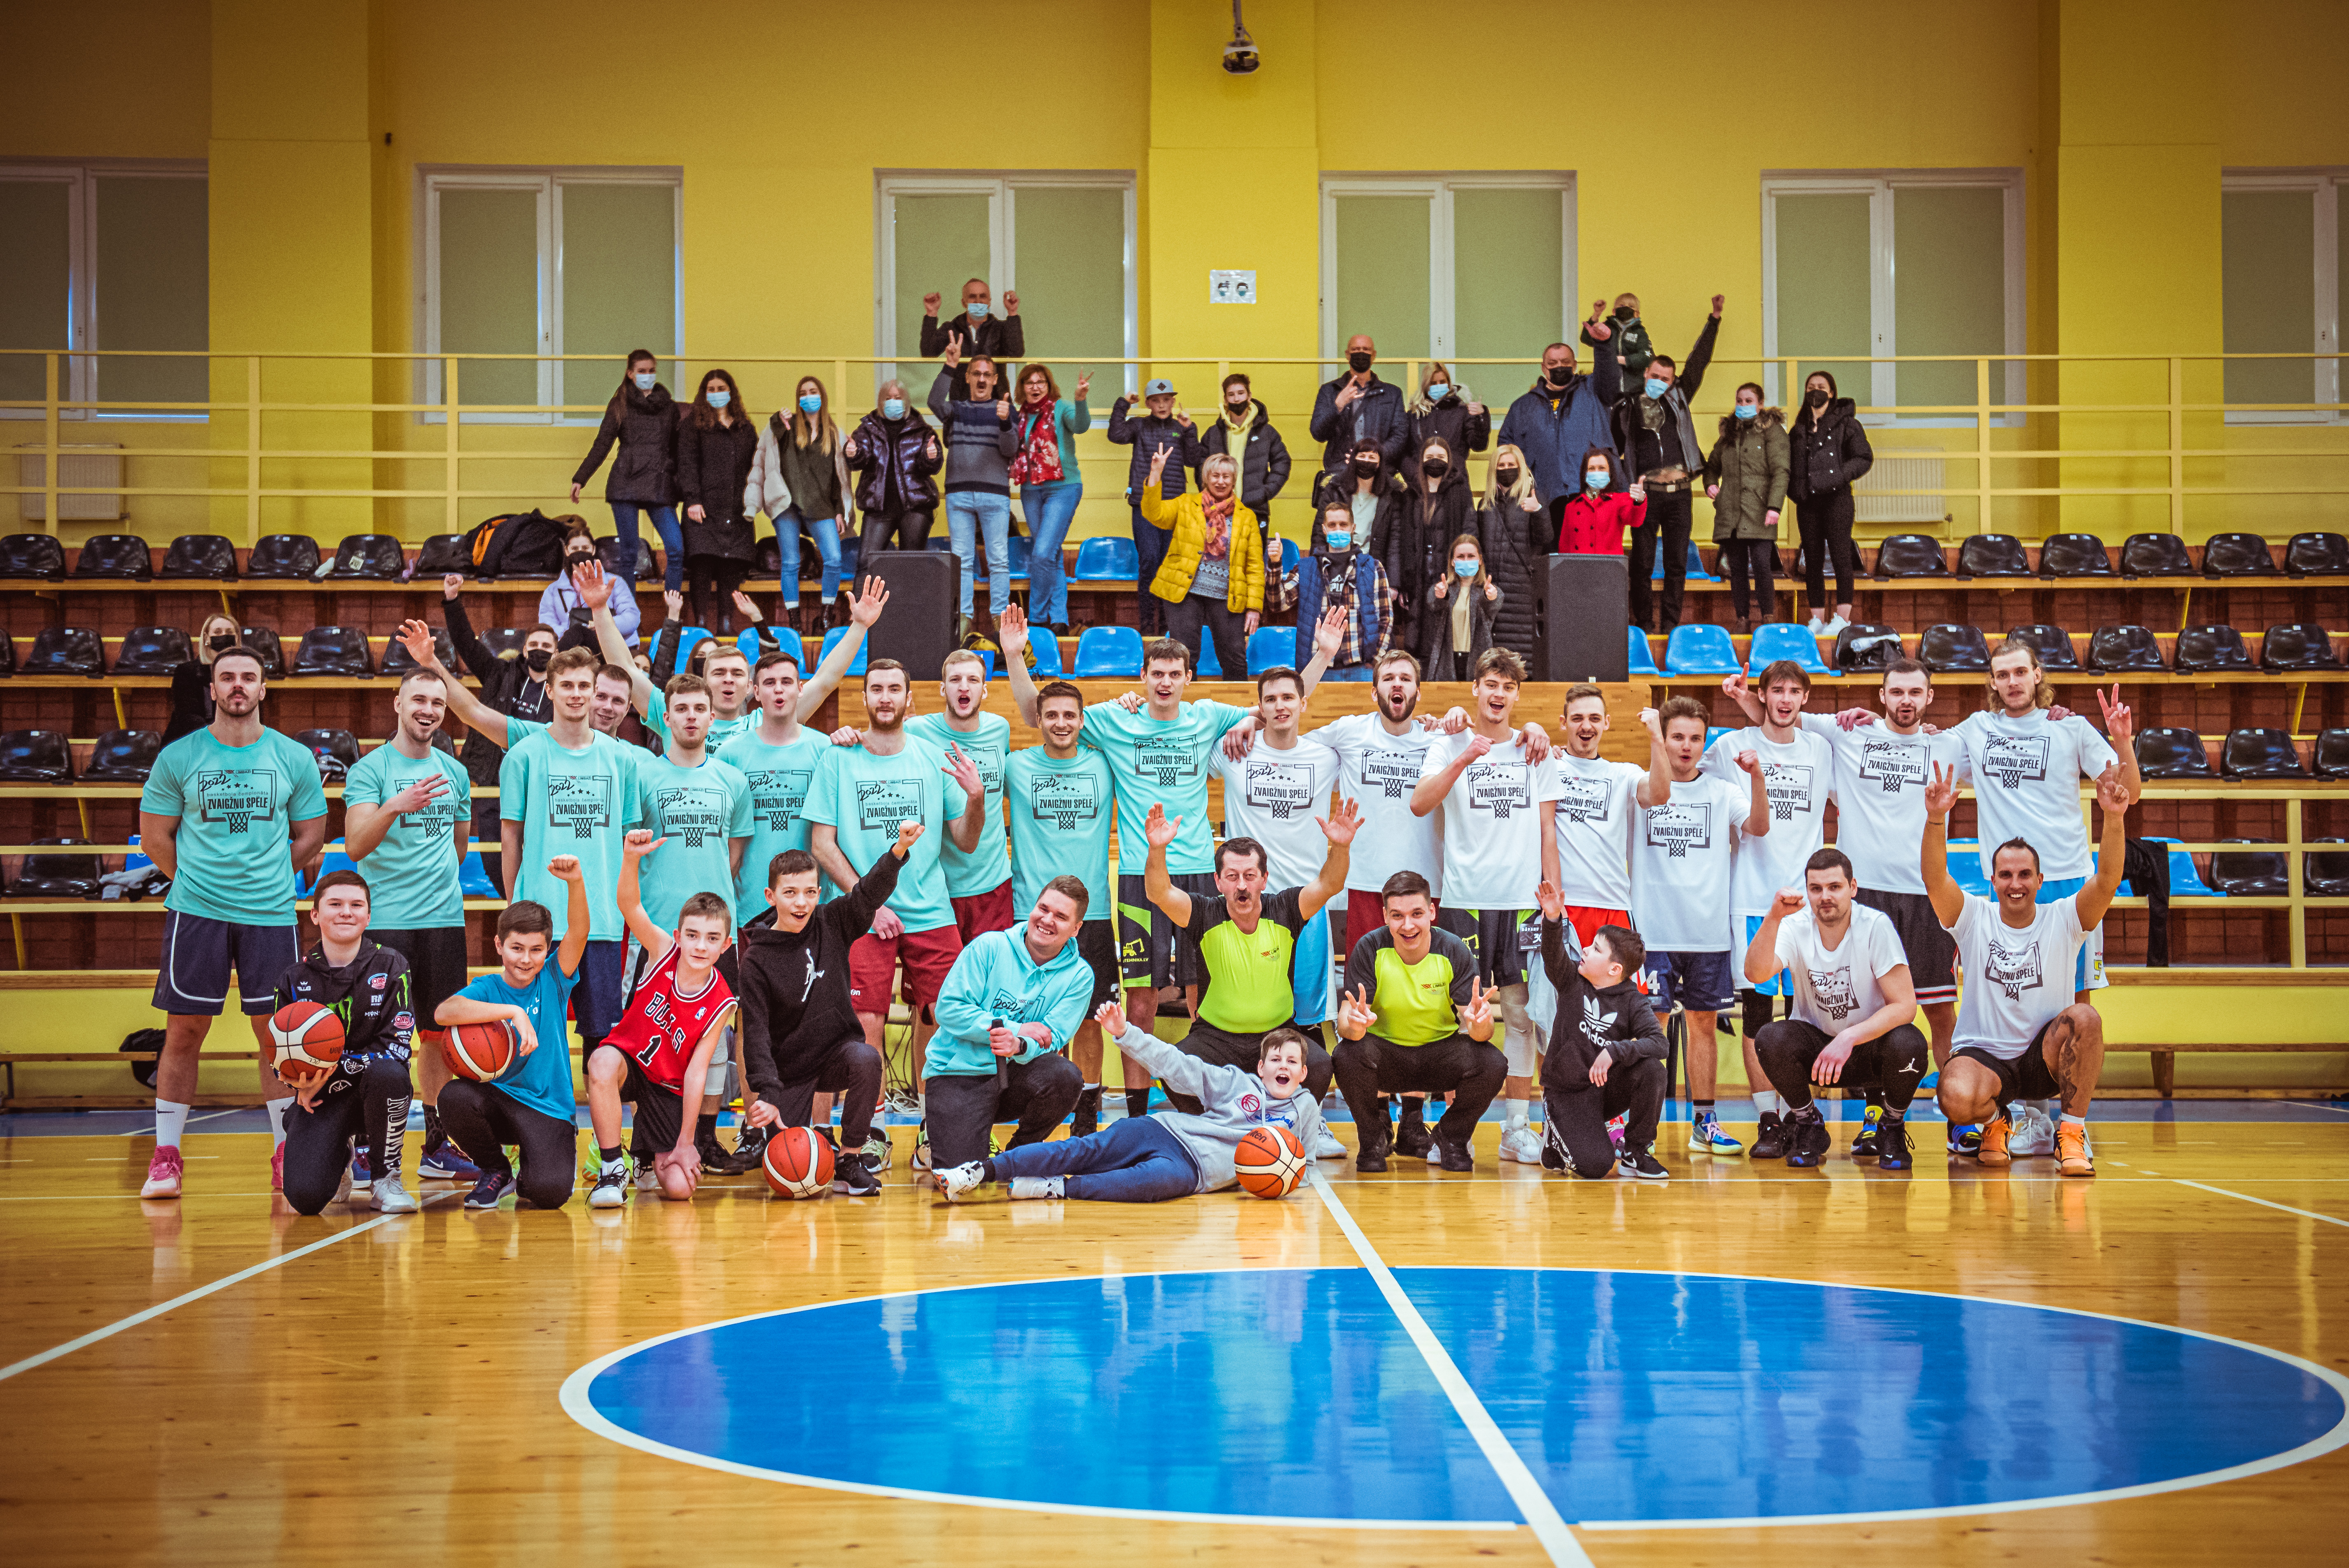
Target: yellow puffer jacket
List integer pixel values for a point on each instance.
(1187, 515)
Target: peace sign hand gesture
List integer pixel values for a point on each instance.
(2118, 722)
(1478, 1014)
(1942, 793)
(1354, 1016)
(963, 771)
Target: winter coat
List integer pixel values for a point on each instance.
(560, 607)
(1436, 613)
(1187, 518)
(1628, 423)
(1315, 575)
(1555, 428)
(999, 337)
(1749, 463)
(713, 470)
(1633, 345)
(506, 687)
(1595, 525)
(1413, 540)
(770, 488)
(1516, 546)
(894, 464)
(1378, 415)
(1829, 454)
(1264, 460)
(645, 424)
(1146, 435)
(1463, 431)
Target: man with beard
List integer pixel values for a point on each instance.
(726, 669)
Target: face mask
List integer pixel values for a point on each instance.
(719, 398)
(811, 404)
(645, 380)
(1596, 478)
(893, 407)
(1817, 399)
(1504, 477)
(1435, 468)
(1338, 538)
(220, 642)
(1658, 388)
(1560, 375)
(1437, 391)
(1625, 312)
(978, 309)
(574, 562)
(1240, 408)
(1465, 568)
(1747, 410)
(1367, 467)
(538, 659)
(1360, 362)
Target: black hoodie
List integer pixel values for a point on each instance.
(1591, 1018)
(793, 985)
(370, 994)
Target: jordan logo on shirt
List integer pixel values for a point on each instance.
(1896, 764)
(778, 793)
(1676, 828)
(2013, 970)
(1500, 788)
(807, 984)
(1788, 785)
(236, 796)
(2015, 760)
(1833, 990)
(580, 801)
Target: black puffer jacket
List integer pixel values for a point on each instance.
(894, 462)
(1517, 545)
(1413, 542)
(645, 424)
(712, 467)
(1451, 422)
(506, 687)
(1829, 453)
(1264, 458)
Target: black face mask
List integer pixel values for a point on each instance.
(574, 562)
(1560, 375)
(1240, 408)
(220, 642)
(1817, 399)
(1360, 361)
(1504, 477)
(1435, 468)
(1367, 467)
(538, 659)
(1624, 313)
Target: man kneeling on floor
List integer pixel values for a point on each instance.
(1606, 1055)
(1170, 1154)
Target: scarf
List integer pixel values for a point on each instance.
(1037, 461)
(1218, 545)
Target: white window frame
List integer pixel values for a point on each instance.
(1880, 186)
(1002, 191)
(79, 382)
(548, 183)
(1442, 321)
(2326, 186)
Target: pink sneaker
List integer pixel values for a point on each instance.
(277, 1169)
(163, 1169)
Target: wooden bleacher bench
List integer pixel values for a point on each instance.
(141, 1100)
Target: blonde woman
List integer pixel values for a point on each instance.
(1212, 578)
(1445, 413)
(799, 480)
(1460, 607)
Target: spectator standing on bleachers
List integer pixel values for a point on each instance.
(999, 338)
(799, 480)
(1245, 431)
(1746, 479)
(191, 680)
(559, 604)
(1212, 578)
(642, 417)
(1340, 580)
(227, 813)
(1438, 507)
(1371, 490)
(1635, 350)
(1565, 415)
(1045, 469)
(716, 445)
(981, 441)
(1595, 519)
(1461, 605)
(1830, 453)
(1661, 450)
(1444, 412)
(1517, 534)
(894, 451)
(1357, 407)
(1164, 428)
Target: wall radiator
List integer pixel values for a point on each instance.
(92, 466)
(1901, 472)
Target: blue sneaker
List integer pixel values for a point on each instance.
(448, 1164)
(489, 1190)
(1705, 1137)
(362, 1174)
(1966, 1140)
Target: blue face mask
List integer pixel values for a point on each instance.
(1747, 410)
(1465, 568)
(1596, 478)
(978, 309)
(810, 404)
(1338, 538)
(1437, 391)
(1658, 388)
(645, 380)
(893, 407)
(719, 398)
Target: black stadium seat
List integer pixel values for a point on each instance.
(1951, 649)
(648, 569)
(202, 555)
(1909, 555)
(2172, 754)
(58, 876)
(2260, 754)
(337, 751)
(2325, 875)
(770, 562)
(2053, 643)
(2297, 648)
(116, 555)
(153, 651)
(2211, 650)
(123, 757)
(2156, 555)
(8, 654)
(333, 651)
(441, 555)
(2116, 650)
(2250, 875)
(2332, 754)
(2238, 555)
(35, 756)
(265, 641)
(499, 641)
(1993, 556)
(280, 555)
(2317, 555)
(33, 555)
(368, 557)
(2074, 555)
(66, 651)
(396, 661)
(1866, 647)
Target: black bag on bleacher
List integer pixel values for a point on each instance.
(143, 1040)
(520, 544)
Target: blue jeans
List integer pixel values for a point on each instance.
(1149, 542)
(970, 514)
(1049, 510)
(1135, 1160)
(826, 531)
(624, 518)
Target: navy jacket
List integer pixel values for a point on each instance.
(1554, 437)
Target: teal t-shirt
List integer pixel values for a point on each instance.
(1059, 825)
(1154, 762)
(237, 806)
(778, 778)
(541, 1081)
(412, 874)
(987, 867)
(571, 803)
(698, 810)
(721, 730)
(863, 798)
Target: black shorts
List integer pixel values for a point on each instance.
(2019, 1077)
(1151, 950)
(1497, 938)
(1097, 945)
(660, 1111)
(435, 964)
(199, 953)
(1932, 952)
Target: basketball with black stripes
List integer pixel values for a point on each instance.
(309, 1042)
(481, 1051)
(798, 1163)
(1269, 1161)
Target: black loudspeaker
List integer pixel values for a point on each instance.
(1586, 620)
(917, 629)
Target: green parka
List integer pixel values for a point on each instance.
(1751, 463)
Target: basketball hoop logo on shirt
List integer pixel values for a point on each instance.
(1500, 788)
(1283, 788)
(1166, 763)
(1395, 774)
(883, 803)
(1788, 785)
(1834, 991)
(1064, 802)
(2015, 760)
(1676, 828)
(236, 796)
(580, 801)
(691, 813)
(778, 794)
(1894, 763)
(2013, 970)
(1586, 801)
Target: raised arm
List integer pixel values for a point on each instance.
(1329, 636)
(1933, 854)
(965, 830)
(2122, 726)
(1011, 632)
(576, 919)
(635, 845)
(471, 712)
(863, 611)
(1339, 827)
(1657, 787)
(1157, 886)
(595, 592)
(1757, 822)
(1762, 953)
(1736, 688)
(2111, 854)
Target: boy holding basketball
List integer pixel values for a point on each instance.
(659, 1056)
(366, 985)
(531, 1103)
(1171, 1154)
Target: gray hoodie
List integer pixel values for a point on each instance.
(1232, 1104)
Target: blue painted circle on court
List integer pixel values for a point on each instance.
(1299, 1393)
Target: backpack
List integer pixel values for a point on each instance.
(143, 1040)
(516, 544)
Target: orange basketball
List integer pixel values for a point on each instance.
(479, 1051)
(798, 1163)
(1271, 1163)
(309, 1042)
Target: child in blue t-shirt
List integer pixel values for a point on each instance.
(531, 1104)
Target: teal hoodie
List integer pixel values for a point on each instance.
(997, 978)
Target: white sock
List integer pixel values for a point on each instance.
(2070, 1121)
(1516, 1114)
(1038, 1187)
(1768, 1101)
(277, 1110)
(170, 1122)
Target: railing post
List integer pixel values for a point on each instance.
(1982, 447)
(449, 411)
(2177, 445)
(2294, 867)
(51, 458)
(251, 449)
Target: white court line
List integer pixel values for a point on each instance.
(161, 1307)
(2320, 1105)
(1541, 1514)
(150, 1131)
(2263, 1202)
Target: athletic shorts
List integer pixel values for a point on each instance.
(1150, 950)
(1097, 945)
(1932, 952)
(2088, 969)
(1499, 938)
(199, 954)
(660, 1111)
(1779, 984)
(435, 964)
(983, 912)
(873, 962)
(2019, 1077)
(1587, 919)
(1700, 982)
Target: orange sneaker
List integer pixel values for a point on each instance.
(2072, 1149)
(1993, 1151)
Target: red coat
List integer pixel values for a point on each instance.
(1595, 527)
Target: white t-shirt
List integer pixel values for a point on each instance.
(1879, 793)
(1681, 853)
(1595, 802)
(2017, 978)
(1273, 797)
(1833, 991)
(1492, 827)
(1799, 775)
(1377, 770)
(2026, 776)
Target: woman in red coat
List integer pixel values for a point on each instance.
(1594, 521)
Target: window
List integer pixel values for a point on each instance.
(2281, 252)
(1922, 263)
(105, 255)
(552, 262)
(1063, 241)
(1460, 266)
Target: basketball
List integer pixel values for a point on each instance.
(309, 1042)
(798, 1163)
(479, 1051)
(1271, 1163)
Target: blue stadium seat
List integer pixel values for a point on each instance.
(2184, 881)
(1046, 649)
(1965, 866)
(1713, 732)
(1017, 547)
(1696, 571)
(856, 664)
(748, 641)
(1700, 648)
(1643, 656)
(331, 861)
(1775, 640)
(473, 878)
(1107, 559)
(1211, 668)
(685, 641)
(135, 861)
(1269, 647)
(1108, 653)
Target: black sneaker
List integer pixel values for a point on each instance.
(1776, 1135)
(1811, 1140)
(1413, 1139)
(1892, 1151)
(1085, 1121)
(1373, 1155)
(492, 1186)
(714, 1157)
(852, 1177)
(1864, 1146)
(1644, 1164)
(1553, 1154)
(1453, 1156)
(749, 1150)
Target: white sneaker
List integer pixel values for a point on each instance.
(1523, 1145)
(1833, 626)
(390, 1197)
(921, 1159)
(611, 1189)
(1328, 1148)
(1039, 1187)
(961, 1181)
(1817, 627)
(2032, 1134)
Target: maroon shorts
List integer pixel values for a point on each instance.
(1366, 912)
(873, 965)
(982, 912)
